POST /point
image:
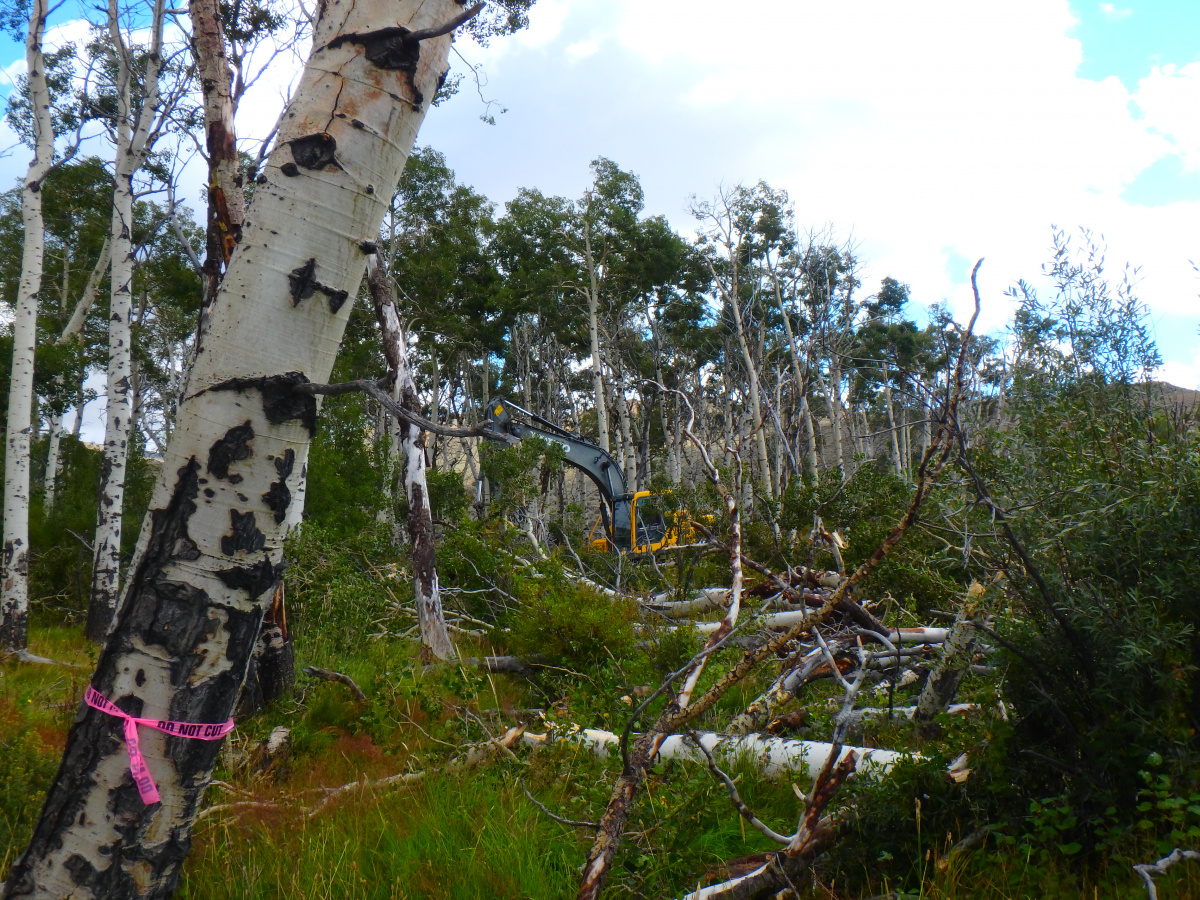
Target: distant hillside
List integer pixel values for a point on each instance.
(1170, 395)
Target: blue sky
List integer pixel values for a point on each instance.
(932, 132)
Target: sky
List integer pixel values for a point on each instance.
(930, 132)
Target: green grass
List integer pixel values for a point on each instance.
(474, 834)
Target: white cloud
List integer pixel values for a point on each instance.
(1169, 98)
(1114, 13)
(1182, 374)
(546, 20)
(582, 49)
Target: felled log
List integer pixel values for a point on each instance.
(775, 756)
(701, 601)
(957, 651)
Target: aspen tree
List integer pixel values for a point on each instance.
(184, 632)
(14, 598)
(133, 129)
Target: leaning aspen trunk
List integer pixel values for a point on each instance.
(593, 303)
(50, 482)
(957, 650)
(133, 138)
(14, 597)
(435, 637)
(187, 625)
(762, 457)
(226, 202)
(891, 418)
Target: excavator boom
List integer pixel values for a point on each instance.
(618, 507)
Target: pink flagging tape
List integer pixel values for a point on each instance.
(137, 762)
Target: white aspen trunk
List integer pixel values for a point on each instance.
(132, 146)
(628, 448)
(593, 302)
(50, 483)
(927, 416)
(88, 297)
(677, 444)
(891, 419)
(435, 406)
(774, 757)
(835, 427)
(435, 637)
(810, 436)
(801, 382)
(185, 631)
(760, 434)
(14, 596)
(957, 649)
(80, 403)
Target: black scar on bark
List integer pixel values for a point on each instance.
(337, 299)
(420, 528)
(302, 281)
(156, 611)
(278, 497)
(389, 48)
(244, 536)
(256, 580)
(234, 446)
(302, 284)
(315, 151)
(281, 402)
(82, 872)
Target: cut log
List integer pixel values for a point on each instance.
(775, 756)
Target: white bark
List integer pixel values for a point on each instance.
(774, 756)
(88, 297)
(133, 143)
(891, 417)
(14, 596)
(957, 651)
(593, 302)
(427, 595)
(185, 630)
(50, 481)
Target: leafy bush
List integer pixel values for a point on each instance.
(568, 623)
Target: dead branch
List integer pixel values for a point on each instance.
(1149, 870)
(381, 396)
(328, 675)
(573, 823)
(735, 798)
(968, 844)
(612, 823)
(26, 657)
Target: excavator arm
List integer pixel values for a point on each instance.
(618, 504)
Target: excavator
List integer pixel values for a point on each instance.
(632, 522)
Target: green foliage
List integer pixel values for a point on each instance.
(341, 585)
(448, 496)
(1105, 620)
(517, 472)
(60, 563)
(568, 623)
